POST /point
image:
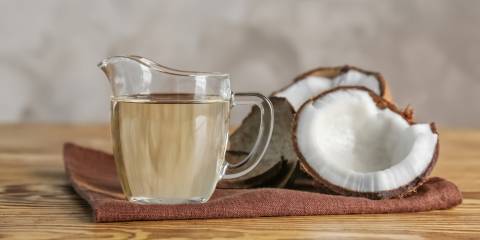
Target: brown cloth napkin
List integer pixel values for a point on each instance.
(93, 176)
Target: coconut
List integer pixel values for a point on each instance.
(356, 143)
(316, 81)
(280, 160)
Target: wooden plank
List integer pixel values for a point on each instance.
(37, 202)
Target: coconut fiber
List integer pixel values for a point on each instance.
(93, 176)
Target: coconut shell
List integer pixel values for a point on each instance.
(399, 192)
(279, 161)
(332, 72)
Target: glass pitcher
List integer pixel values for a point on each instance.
(170, 130)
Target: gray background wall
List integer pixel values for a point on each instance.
(429, 51)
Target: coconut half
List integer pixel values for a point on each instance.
(280, 159)
(316, 81)
(356, 143)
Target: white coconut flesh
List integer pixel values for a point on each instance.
(351, 143)
(311, 86)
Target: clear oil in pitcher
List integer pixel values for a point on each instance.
(169, 147)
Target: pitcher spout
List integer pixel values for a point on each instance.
(127, 75)
(103, 65)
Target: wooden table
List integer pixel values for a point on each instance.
(37, 202)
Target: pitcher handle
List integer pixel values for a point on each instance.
(264, 132)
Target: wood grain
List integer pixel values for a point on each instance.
(36, 202)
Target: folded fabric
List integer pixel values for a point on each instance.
(93, 175)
